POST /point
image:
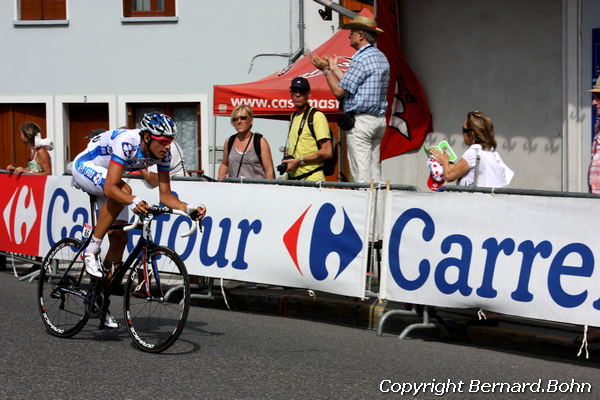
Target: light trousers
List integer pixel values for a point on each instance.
(364, 141)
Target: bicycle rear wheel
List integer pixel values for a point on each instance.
(156, 314)
(62, 289)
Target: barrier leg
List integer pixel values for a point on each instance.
(2, 262)
(412, 312)
(33, 275)
(209, 287)
(424, 324)
(387, 314)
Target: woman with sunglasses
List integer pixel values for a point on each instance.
(480, 165)
(246, 153)
(98, 170)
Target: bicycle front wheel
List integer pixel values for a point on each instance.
(62, 289)
(157, 300)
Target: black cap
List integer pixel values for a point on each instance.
(300, 84)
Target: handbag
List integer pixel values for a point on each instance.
(346, 121)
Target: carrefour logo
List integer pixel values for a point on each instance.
(346, 244)
(20, 215)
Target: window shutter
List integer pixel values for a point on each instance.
(31, 10)
(127, 8)
(170, 8)
(54, 9)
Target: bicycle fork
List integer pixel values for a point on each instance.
(149, 261)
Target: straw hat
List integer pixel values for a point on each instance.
(596, 87)
(362, 23)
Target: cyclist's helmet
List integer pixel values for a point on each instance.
(158, 124)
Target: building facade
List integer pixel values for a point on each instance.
(73, 66)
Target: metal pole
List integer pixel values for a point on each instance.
(214, 146)
(337, 8)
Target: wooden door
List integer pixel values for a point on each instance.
(84, 117)
(12, 149)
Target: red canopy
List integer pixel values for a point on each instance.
(270, 96)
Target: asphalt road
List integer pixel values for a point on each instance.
(230, 355)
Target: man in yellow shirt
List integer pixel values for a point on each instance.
(306, 151)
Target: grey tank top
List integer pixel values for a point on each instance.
(251, 167)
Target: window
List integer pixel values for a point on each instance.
(187, 118)
(43, 10)
(149, 8)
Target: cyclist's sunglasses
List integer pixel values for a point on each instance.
(163, 140)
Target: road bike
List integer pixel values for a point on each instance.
(156, 294)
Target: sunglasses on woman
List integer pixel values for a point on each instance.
(241, 117)
(467, 130)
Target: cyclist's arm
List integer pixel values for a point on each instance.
(170, 200)
(114, 184)
(166, 195)
(150, 177)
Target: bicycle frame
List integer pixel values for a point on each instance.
(153, 280)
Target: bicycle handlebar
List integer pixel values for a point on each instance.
(157, 210)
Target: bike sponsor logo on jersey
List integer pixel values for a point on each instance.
(128, 149)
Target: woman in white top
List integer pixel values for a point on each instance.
(480, 165)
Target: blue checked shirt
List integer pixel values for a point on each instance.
(366, 82)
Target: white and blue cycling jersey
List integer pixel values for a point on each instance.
(119, 146)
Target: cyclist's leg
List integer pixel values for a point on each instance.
(118, 241)
(90, 178)
(117, 237)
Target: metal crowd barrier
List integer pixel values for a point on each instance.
(426, 323)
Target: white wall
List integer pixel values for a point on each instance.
(501, 57)
(212, 42)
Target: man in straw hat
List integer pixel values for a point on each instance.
(594, 170)
(363, 92)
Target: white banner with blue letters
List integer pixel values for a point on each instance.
(522, 255)
(300, 237)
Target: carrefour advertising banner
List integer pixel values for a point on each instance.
(522, 255)
(291, 236)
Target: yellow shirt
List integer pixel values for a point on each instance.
(307, 145)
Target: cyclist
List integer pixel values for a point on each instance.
(98, 170)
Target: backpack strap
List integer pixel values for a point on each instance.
(311, 126)
(311, 122)
(230, 143)
(305, 115)
(257, 149)
(306, 174)
(255, 142)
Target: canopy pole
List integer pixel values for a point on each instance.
(214, 154)
(336, 7)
